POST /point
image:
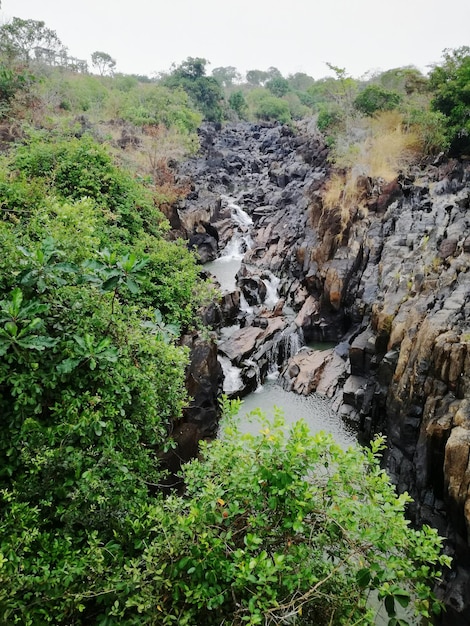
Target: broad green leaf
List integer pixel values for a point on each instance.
(111, 283)
(132, 286)
(67, 365)
(37, 343)
(363, 577)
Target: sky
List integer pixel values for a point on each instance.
(361, 36)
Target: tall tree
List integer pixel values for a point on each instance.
(257, 78)
(103, 62)
(20, 38)
(226, 76)
(203, 90)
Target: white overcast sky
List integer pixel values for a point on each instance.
(148, 36)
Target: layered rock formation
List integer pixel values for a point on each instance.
(390, 286)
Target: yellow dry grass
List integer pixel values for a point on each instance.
(384, 150)
(385, 147)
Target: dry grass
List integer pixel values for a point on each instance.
(384, 149)
(381, 149)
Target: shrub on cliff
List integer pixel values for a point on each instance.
(450, 84)
(287, 526)
(203, 90)
(91, 380)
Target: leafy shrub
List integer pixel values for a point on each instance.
(273, 109)
(238, 103)
(449, 83)
(430, 129)
(273, 526)
(156, 104)
(375, 98)
(79, 168)
(278, 86)
(204, 91)
(12, 81)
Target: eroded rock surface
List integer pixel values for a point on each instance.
(391, 288)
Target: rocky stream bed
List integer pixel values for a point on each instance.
(391, 291)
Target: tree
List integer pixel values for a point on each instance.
(19, 38)
(272, 108)
(451, 96)
(278, 86)
(375, 98)
(273, 72)
(406, 80)
(256, 78)
(104, 63)
(238, 103)
(204, 91)
(226, 76)
(300, 81)
(191, 69)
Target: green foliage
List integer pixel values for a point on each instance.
(430, 128)
(156, 104)
(278, 86)
(271, 108)
(74, 92)
(20, 37)
(407, 80)
(300, 81)
(78, 168)
(226, 76)
(13, 80)
(375, 98)
(103, 62)
(238, 103)
(203, 90)
(275, 526)
(89, 393)
(256, 78)
(450, 83)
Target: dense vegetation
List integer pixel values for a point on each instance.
(93, 301)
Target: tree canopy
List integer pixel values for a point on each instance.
(20, 38)
(450, 83)
(103, 62)
(205, 91)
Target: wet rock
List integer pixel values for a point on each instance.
(243, 342)
(204, 383)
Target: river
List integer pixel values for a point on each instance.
(314, 409)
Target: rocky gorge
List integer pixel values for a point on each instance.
(387, 284)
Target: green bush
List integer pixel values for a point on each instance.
(450, 85)
(156, 104)
(375, 98)
(430, 128)
(78, 168)
(275, 526)
(271, 108)
(238, 103)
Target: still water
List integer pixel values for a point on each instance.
(315, 410)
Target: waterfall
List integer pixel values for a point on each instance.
(232, 376)
(234, 250)
(272, 284)
(283, 346)
(239, 216)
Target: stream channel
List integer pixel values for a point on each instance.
(313, 408)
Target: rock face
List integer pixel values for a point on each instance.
(391, 289)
